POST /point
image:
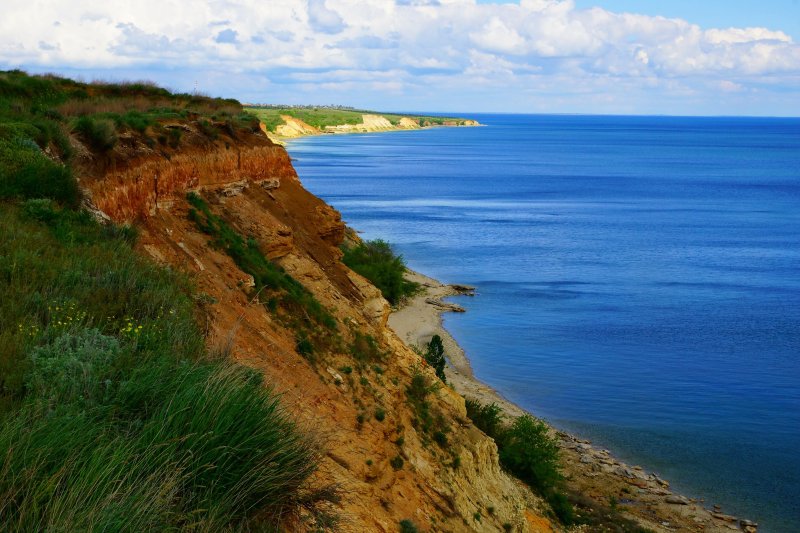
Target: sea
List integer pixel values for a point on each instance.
(638, 279)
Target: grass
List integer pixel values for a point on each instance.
(365, 350)
(376, 261)
(320, 117)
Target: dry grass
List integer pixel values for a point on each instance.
(132, 194)
(79, 108)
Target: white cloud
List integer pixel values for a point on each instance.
(422, 42)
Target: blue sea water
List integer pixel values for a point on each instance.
(638, 279)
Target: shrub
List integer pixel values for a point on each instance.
(527, 451)
(561, 507)
(434, 356)
(100, 134)
(407, 526)
(380, 414)
(376, 261)
(487, 418)
(530, 453)
(304, 346)
(74, 368)
(397, 462)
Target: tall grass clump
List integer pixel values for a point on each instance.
(376, 261)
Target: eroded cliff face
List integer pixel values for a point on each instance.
(451, 484)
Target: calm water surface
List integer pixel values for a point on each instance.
(638, 279)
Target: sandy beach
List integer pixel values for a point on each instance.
(589, 470)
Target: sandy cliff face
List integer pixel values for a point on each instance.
(457, 486)
(294, 127)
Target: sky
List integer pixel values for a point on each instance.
(679, 57)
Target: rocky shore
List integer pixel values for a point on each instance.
(589, 470)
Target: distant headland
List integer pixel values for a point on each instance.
(299, 121)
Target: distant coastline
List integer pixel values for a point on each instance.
(282, 123)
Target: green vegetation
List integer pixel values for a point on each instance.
(407, 526)
(376, 261)
(488, 418)
(434, 356)
(275, 288)
(428, 420)
(527, 451)
(397, 462)
(112, 415)
(321, 116)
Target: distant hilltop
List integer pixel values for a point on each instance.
(300, 121)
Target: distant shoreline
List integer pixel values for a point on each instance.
(590, 471)
(281, 125)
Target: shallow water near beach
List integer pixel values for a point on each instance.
(638, 279)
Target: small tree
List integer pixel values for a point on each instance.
(434, 356)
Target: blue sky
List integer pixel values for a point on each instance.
(778, 14)
(712, 57)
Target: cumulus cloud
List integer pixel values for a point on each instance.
(531, 45)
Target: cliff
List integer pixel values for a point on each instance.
(386, 467)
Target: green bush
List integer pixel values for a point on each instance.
(488, 418)
(100, 134)
(561, 507)
(407, 526)
(75, 368)
(397, 462)
(527, 451)
(530, 453)
(376, 261)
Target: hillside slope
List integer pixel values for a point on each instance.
(252, 187)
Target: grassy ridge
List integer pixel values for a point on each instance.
(40, 114)
(320, 117)
(113, 417)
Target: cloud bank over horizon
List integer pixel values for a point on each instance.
(449, 55)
